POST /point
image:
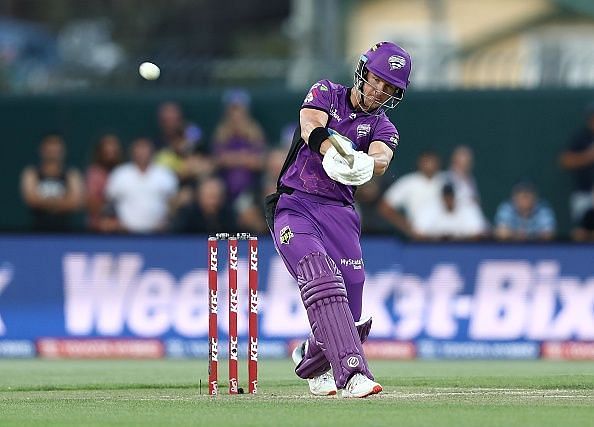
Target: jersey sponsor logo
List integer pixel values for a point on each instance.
(396, 62)
(363, 130)
(313, 92)
(353, 116)
(334, 113)
(357, 264)
(394, 139)
(285, 235)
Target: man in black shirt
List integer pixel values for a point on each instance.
(579, 159)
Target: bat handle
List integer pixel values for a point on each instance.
(350, 158)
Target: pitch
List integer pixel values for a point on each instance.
(166, 392)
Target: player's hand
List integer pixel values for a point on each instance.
(338, 169)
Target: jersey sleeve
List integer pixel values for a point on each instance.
(319, 97)
(386, 132)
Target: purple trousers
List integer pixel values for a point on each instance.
(305, 223)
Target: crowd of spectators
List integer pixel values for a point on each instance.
(180, 182)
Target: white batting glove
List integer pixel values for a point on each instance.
(338, 169)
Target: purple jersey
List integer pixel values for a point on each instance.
(306, 173)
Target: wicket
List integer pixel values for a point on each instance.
(252, 350)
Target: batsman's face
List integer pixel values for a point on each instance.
(376, 91)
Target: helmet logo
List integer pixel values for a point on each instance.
(396, 62)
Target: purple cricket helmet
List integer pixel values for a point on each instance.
(391, 63)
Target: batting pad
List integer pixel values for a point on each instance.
(314, 362)
(333, 327)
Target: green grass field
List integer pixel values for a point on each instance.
(160, 393)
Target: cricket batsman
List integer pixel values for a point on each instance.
(344, 138)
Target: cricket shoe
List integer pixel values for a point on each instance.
(361, 386)
(322, 385)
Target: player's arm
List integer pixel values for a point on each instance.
(396, 218)
(310, 119)
(382, 156)
(74, 196)
(29, 191)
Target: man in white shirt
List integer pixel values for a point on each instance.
(460, 175)
(141, 190)
(451, 219)
(412, 193)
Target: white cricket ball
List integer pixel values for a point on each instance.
(149, 71)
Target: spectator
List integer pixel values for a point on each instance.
(239, 145)
(585, 229)
(524, 217)
(367, 198)
(248, 205)
(141, 190)
(52, 191)
(207, 212)
(287, 135)
(451, 219)
(172, 124)
(460, 174)
(183, 150)
(275, 159)
(107, 155)
(579, 159)
(412, 193)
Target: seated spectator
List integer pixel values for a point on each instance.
(239, 145)
(141, 191)
(585, 229)
(207, 212)
(107, 155)
(524, 217)
(412, 193)
(460, 174)
(451, 219)
(52, 191)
